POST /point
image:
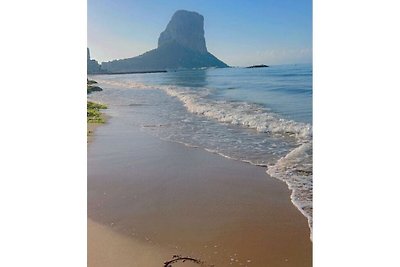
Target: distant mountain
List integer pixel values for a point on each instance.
(180, 45)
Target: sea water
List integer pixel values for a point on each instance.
(262, 116)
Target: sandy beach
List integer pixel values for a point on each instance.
(150, 199)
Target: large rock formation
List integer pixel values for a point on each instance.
(180, 45)
(185, 28)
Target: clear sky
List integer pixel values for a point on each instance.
(239, 32)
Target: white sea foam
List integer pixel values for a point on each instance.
(296, 170)
(240, 113)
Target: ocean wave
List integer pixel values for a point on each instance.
(240, 113)
(245, 114)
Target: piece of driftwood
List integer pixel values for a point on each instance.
(179, 258)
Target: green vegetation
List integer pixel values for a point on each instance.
(93, 105)
(93, 112)
(93, 109)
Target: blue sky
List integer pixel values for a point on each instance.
(238, 32)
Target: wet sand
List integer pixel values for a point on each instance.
(108, 248)
(91, 128)
(149, 199)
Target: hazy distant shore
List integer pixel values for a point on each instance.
(149, 199)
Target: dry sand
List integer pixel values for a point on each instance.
(149, 199)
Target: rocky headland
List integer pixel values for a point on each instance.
(180, 46)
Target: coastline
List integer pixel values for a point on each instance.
(173, 199)
(92, 126)
(94, 116)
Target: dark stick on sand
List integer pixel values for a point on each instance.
(178, 258)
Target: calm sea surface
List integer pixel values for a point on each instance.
(262, 116)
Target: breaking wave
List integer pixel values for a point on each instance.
(240, 113)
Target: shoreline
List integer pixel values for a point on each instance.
(92, 127)
(291, 195)
(94, 116)
(222, 207)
